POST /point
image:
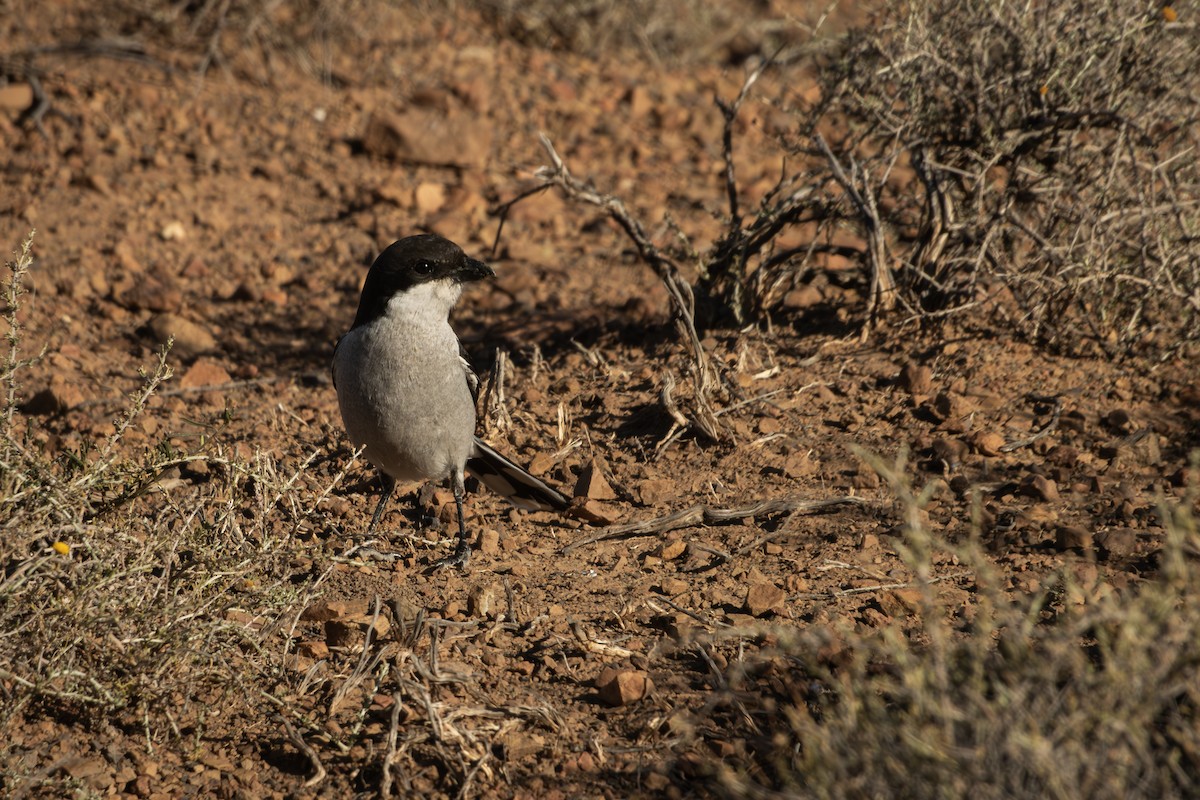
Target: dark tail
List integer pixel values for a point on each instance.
(512, 482)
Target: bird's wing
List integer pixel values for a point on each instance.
(472, 378)
(333, 363)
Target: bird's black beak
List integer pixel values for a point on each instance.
(472, 270)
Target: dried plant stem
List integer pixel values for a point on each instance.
(304, 747)
(18, 268)
(701, 514)
(882, 295)
(704, 380)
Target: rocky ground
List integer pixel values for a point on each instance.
(236, 209)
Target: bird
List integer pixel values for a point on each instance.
(406, 391)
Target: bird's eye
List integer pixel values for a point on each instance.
(423, 268)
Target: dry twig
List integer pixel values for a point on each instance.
(857, 188)
(701, 514)
(704, 380)
(304, 747)
(1045, 430)
(596, 646)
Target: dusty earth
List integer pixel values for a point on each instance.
(238, 209)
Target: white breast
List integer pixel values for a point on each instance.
(402, 389)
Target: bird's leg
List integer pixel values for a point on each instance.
(389, 485)
(363, 548)
(462, 552)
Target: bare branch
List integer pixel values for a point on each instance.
(701, 514)
(703, 379)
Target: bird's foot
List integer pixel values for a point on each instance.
(459, 558)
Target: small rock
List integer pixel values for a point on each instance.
(769, 425)
(656, 491)
(1072, 537)
(591, 511)
(84, 767)
(518, 744)
(1063, 455)
(429, 197)
(1116, 543)
(916, 379)
(988, 443)
(673, 587)
(427, 136)
(592, 484)
(173, 231)
(671, 550)
(763, 598)
(151, 294)
(277, 274)
(205, 372)
(951, 451)
(620, 687)
(483, 600)
(1040, 487)
(1119, 420)
(89, 769)
(314, 649)
(901, 601)
(352, 631)
(799, 465)
(489, 542)
(864, 478)
(541, 464)
(60, 396)
(191, 339)
(1182, 477)
(98, 183)
(949, 406)
(874, 618)
(794, 583)
(803, 297)
(640, 101)
(1144, 452)
(16, 96)
(324, 610)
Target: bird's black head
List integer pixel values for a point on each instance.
(411, 262)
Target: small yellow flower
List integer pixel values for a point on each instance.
(1169, 14)
(62, 548)
(1043, 89)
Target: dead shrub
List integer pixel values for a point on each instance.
(1031, 165)
(1034, 159)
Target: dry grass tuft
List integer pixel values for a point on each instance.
(1074, 691)
(127, 596)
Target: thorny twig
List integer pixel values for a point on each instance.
(730, 111)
